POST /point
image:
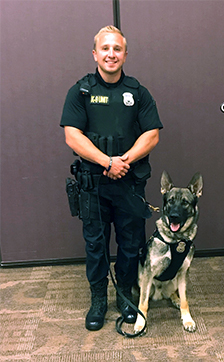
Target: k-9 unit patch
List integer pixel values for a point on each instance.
(99, 100)
(128, 99)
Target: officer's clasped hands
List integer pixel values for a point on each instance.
(118, 169)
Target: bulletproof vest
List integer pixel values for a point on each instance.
(112, 114)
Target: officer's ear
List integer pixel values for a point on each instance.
(125, 57)
(94, 55)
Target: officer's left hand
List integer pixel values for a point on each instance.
(119, 168)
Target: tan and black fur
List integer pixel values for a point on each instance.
(177, 225)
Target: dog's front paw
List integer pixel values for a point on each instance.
(139, 324)
(189, 324)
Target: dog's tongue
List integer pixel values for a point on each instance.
(174, 227)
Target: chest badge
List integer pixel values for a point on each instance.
(181, 247)
(128, 99)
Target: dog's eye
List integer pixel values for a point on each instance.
(185, 202)
(171, 201)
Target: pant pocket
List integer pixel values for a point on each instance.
(84, 202)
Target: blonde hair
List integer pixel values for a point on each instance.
(109, 29)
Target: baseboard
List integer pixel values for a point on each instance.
(209, 253)
(47, 262)
(69, 261)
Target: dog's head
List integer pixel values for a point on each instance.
(180, 204)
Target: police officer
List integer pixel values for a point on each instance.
(112, 123)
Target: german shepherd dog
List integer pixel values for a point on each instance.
(167, 256)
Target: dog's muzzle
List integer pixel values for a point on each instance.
(175, 222)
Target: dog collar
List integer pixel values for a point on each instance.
(180, 244)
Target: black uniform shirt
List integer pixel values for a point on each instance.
(124, 109)
(74, 112)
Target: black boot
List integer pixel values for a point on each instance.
(96, 314)
(127, 312)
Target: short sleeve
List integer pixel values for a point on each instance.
(148, 116)
(74, 113)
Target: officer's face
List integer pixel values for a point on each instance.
(110, 54)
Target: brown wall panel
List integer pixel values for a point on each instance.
(176, 53)
(46, 48)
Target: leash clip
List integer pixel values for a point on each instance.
(156, 209)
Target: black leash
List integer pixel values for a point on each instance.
(120, 320)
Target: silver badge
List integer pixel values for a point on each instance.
(128, 99)
(181, 247)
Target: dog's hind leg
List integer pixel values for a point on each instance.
(145, 284)
(175, 300)
(169, 291)
(188, 322)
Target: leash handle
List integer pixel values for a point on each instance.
(119, 323)
(120, 320)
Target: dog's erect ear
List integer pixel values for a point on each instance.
(196, 184)
(166, 183)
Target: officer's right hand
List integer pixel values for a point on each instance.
(119, 168)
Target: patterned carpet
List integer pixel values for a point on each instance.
(43, 314)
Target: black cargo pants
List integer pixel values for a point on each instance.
(105, 204)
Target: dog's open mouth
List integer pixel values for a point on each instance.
(174, 227)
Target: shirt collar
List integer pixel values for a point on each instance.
(109, 85)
